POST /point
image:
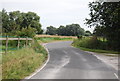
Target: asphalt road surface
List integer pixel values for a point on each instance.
(67, 62)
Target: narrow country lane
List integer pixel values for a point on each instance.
(67, 62)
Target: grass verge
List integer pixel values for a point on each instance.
(98, 50)
(20, 63)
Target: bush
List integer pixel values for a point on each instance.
(79, 36)
(90, 42)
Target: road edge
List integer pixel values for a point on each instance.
(39, 69)
(116, 73)
(96, 55)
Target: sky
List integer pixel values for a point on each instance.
(53, 12)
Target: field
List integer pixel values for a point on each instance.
(53, 38)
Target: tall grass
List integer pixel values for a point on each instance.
(20, 63)
(92, 44)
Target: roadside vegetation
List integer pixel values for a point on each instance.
(105, 18)
(106, 35)
(20, 63)
(93, 44)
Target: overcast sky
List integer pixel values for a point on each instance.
(53, 12)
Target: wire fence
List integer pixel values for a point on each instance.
(13, 43)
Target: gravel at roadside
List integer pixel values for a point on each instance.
(110, 59)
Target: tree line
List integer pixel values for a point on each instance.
(22, 24)
(105, 17)
(68, 30)
(18, 23)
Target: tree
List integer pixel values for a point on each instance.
(0, 23)
(37, 26)
(88, 33)
(32, 19)
(61, 30)
(51, 30)
(105, 17)
(74, 30)
(14, 21)
(17, 21)
(5, 21)
(26, 32)
(68, 30)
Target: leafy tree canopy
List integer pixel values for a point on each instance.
(51, 30)
(18, 21)
(68, 30)
(105, 17)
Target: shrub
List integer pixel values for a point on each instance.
(90, 42)
(79, 36)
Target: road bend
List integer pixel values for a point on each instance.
(67, 62)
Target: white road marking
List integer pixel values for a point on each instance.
(52, 73)
(81, 57)
(65, 52)
(116, 75)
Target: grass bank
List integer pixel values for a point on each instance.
(93, 45)
(20, 63)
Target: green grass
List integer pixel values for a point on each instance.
(52, 39)
(18, 64)
(98, 50)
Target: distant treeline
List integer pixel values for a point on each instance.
(68, 30)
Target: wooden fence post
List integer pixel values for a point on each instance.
(18, 42)
(6, 48)
(32, 41)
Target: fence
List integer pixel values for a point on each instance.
(16, 38)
